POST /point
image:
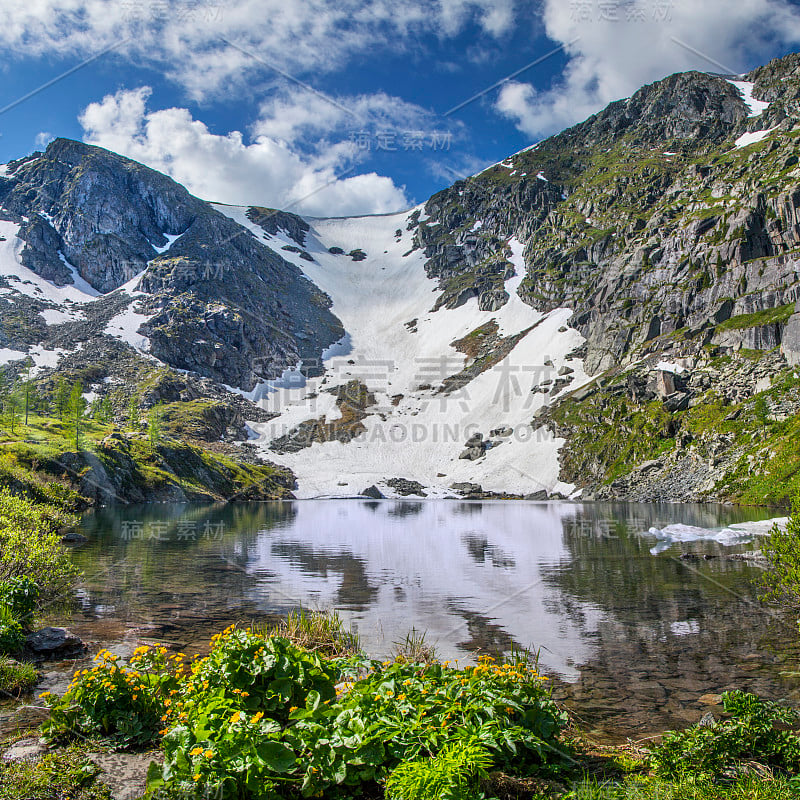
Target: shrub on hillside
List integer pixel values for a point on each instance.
(30, 545)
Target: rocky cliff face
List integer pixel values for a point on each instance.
(216, 300)
(646, 219)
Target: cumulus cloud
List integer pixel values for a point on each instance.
(186, 39)
(43, 138)
(266, 170)
(290, 118)
(615, 47)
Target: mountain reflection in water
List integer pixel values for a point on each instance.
(577, 582)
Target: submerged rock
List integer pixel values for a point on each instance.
(73, 537)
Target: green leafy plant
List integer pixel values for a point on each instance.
(781, 579)
(20, 595)
(261, 717)
(452, 774)
(30, 545)
(226, 732)
(400, 711)
(757, 730)
(12, 636)
(258, 673)
(127, 704)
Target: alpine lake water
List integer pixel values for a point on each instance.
(637, 631)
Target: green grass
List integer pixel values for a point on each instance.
(195, 419)
(16, 677)
(609, 435)
(766, 317)
(65, 774)
(753, 787)
(320, 632)
(32, 459)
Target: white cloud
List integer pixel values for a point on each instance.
(43, 138)
(294, 117)
(611, 58)
(225, 168)
(185, 39)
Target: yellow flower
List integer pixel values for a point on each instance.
(196, 751)
(256, 717)
(292, 708)
(209, 754)
(235, 717)
(196, 777)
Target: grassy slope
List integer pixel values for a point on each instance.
(612, 434)
(40, 458)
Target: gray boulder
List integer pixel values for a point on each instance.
(49, 644)
(540, 494)
(472, 453)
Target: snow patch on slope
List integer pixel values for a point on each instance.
(124, 326)
(27, 282)
(57, 316)
(7, 355)
(402, 351)
(746, 90)
(752, 137)
(171, 239)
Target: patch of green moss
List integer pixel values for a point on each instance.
(766, 317)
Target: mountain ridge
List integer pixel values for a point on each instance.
(593, 282)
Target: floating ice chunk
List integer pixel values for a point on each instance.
(681, 533)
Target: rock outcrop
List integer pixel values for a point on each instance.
(219, 302)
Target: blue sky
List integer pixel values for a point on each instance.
(346, 107)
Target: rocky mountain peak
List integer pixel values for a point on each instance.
(220, 301)
(104, 214)
(695, 107)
